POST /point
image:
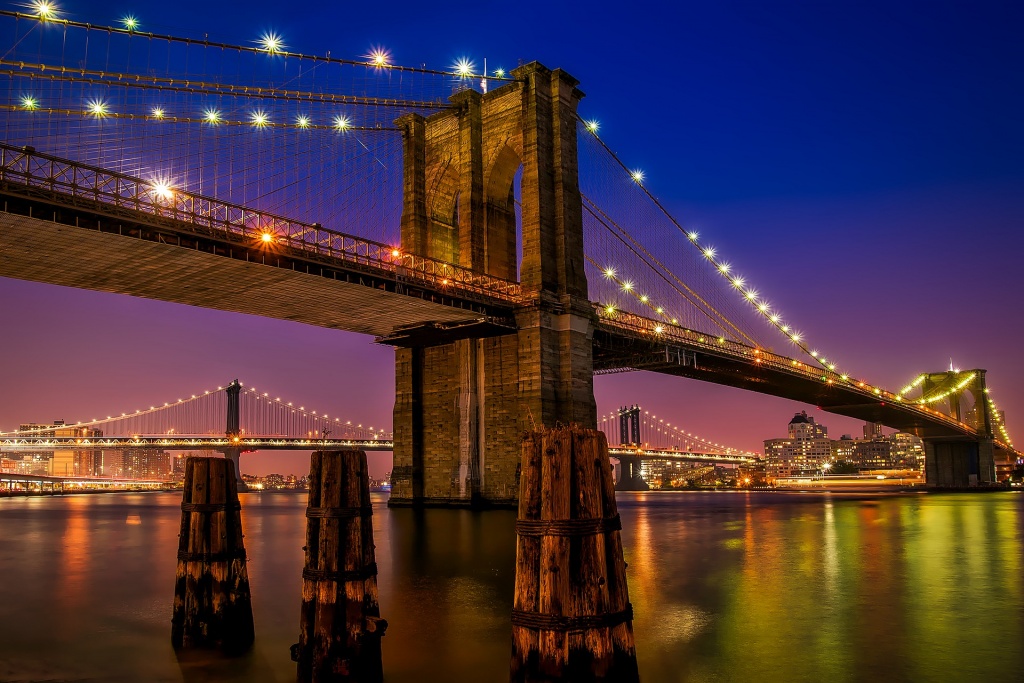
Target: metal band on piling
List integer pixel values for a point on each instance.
(186, 556)
(339, 513)
(553, 622)
(567, 527)
(366, 572)
(209, 507)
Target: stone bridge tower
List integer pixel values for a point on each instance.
(461, 407)
(962, 462)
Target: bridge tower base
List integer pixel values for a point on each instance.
(630, 477)
(959, 464)
(235, 456)
(462, 406)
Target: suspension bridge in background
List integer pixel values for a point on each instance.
(236, 419)
(474, 221)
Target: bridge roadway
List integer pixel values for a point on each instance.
(23, 443)
(81, 226)
(13, 478)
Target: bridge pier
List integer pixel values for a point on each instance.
(235, 456)
(630, 477)
(959, 464)
(461, 406)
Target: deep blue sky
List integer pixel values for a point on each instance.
(860, 162)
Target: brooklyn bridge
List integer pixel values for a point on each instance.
(473, 221)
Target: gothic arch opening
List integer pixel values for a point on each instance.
(443, 216)
(503, 233)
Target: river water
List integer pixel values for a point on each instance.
(726, 587)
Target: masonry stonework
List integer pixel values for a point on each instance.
(461, 407)
(961, 463)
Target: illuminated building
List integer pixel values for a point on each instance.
(666, 474)
(804, 452)
(60, 463)
(145, 463)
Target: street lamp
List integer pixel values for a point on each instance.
(825, 467)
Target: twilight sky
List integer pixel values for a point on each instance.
(861, 162)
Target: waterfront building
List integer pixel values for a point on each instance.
(808, 448)
(145, 463)
(907, 451)
(66, 462)
(804, 452)
(842, 449)
(26, 463)
(873, 454)
(669, 474)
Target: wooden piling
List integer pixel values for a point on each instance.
(212, 605)
(571, 617)
(340, 624)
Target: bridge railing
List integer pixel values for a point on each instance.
(662, 332)
(63, 177)
(18, 444)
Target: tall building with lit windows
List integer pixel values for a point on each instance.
(61, 463)
(802, 453)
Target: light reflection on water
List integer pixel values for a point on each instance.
(726, 587)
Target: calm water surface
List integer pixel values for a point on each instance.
(726, 587)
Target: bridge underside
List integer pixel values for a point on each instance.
(614, 349)
(113, 255)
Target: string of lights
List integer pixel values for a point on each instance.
(716, 317)
(258, 118)
(95, 422)
(269, 43)
(323, 419)
(44, 72)
(313, 420)
(610, 423)
(748, 294)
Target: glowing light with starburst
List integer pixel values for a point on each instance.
(379, 57)
(162, 190)
(44, 9)
(463, 67)
(271, 43)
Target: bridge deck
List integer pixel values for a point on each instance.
(125, 241)
(628, 344)
(45, 251)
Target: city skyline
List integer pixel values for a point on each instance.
(884, 169)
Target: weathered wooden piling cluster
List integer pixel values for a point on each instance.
(571, 618)
(212, 605)
(340, 625)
